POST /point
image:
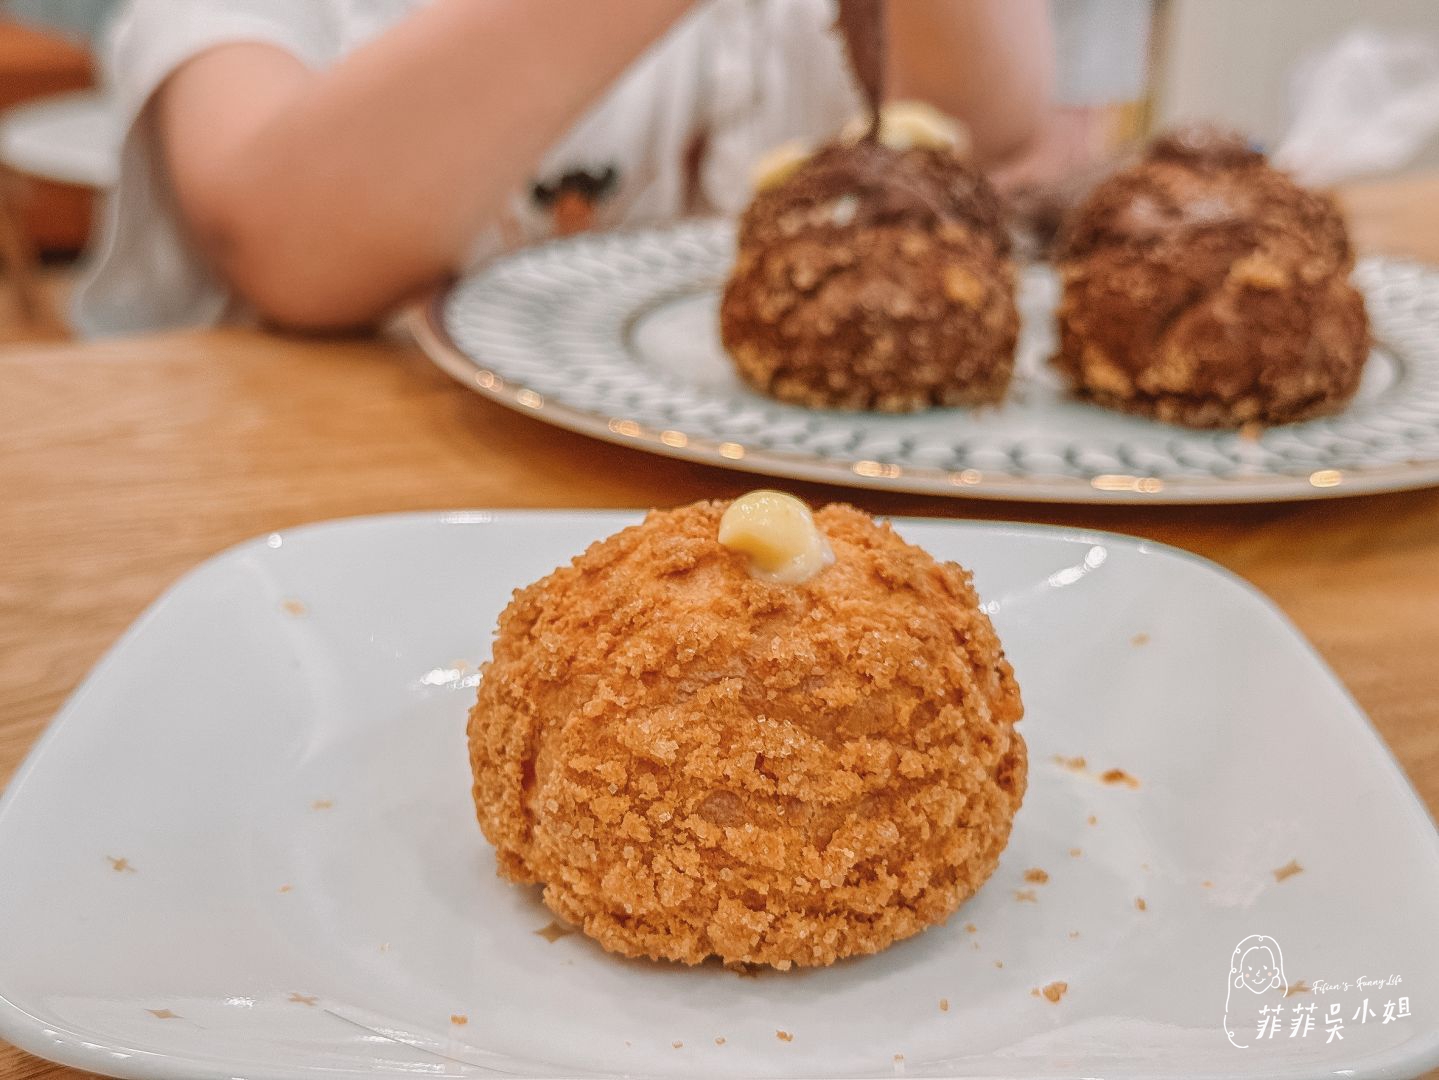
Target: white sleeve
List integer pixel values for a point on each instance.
(774, 71)
(143, 273)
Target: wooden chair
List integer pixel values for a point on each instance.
(35, 214)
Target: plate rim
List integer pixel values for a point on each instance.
(427, 324)
(28, 1032)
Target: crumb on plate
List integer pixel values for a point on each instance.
(1119, 776)
(1288, 870)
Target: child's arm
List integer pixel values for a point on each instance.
(325, 198)
(989, 62)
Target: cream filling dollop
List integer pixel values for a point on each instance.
(778, 534)
(907, 124)
(902, 126)
(778, 164)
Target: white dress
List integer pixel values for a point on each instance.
(744, 74)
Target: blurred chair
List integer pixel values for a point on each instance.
(70, 138)
(57, 147)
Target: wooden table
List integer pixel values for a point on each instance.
(126, 463)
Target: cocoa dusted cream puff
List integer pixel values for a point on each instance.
(1204, 287)
(874, 273)
(745, 731)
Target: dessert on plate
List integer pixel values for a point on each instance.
(874, 274)
(745, 731)
(1202, 286)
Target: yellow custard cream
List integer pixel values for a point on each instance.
(907, 124)
(779, 164)
(778, 534)
(902, 125)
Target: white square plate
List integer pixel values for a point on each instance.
(246, 846)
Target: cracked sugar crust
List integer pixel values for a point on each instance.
(696, 763)
(1206, 288)
(877, 279)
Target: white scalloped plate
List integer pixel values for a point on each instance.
(276, 751)
(613, 335)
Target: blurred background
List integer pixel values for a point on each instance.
(1126, 68)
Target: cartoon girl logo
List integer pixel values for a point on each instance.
(1256, 968)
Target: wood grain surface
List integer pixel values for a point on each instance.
(124, 464)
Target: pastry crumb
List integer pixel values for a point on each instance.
(1036, 876)
(719, 1040)
(1140, 904)
(459, 1019)
(1075, 853)
(1093, 820)
(553, 931)
(677, 1044)
(1288, 870)
(1119, 776)
(1026, 896)
(1299, 986)
(784, 1036)
(284, 888)
(1207, 884)
(323, 804)
(1108, 776)
(120, 866)
(970, 928)
(1073, 935)
(944, 1004)
(1054, 991)
(1139, 639)
(294, 607)
(999, 963)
